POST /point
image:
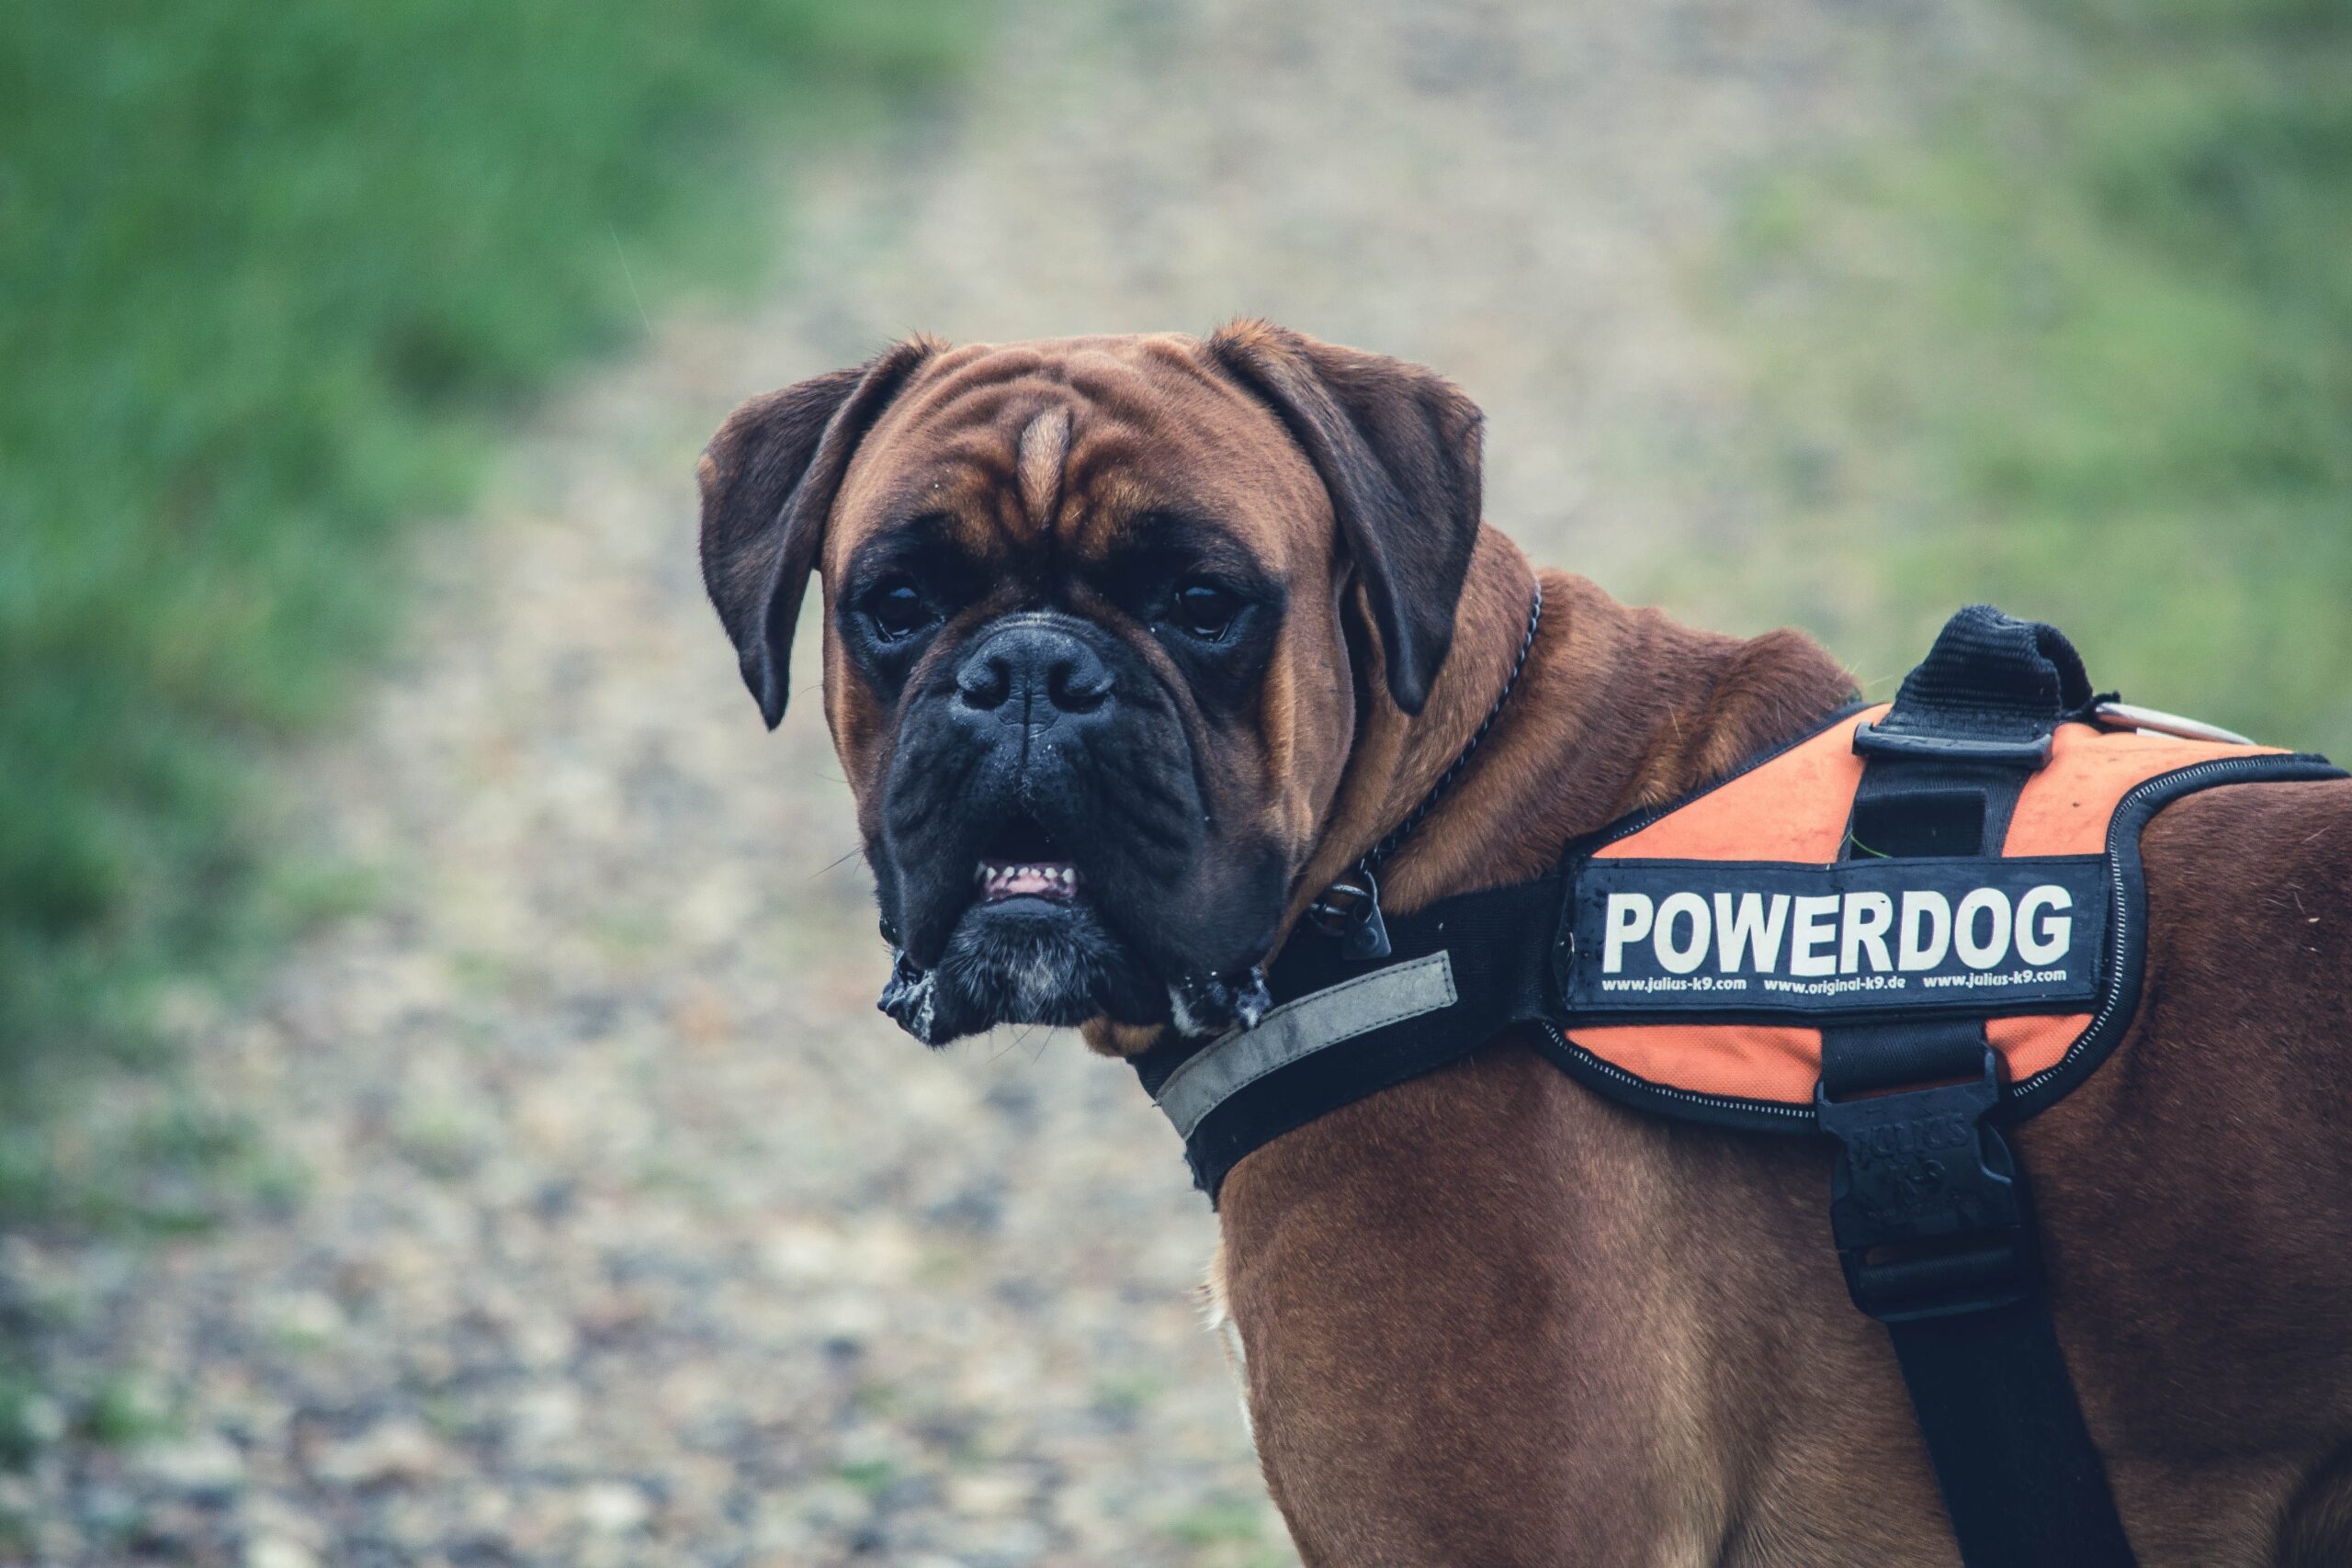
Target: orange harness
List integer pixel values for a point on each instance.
(1797, 808)
(1907, 930)
(1696, 960)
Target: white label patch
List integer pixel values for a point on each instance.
(1733, 938)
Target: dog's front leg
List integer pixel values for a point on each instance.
(1453, 1355)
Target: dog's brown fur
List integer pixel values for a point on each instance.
(1491, 1318)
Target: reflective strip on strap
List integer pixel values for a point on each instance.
(1298, 1028)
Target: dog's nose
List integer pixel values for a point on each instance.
(1035, 675)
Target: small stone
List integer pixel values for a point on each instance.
(542, 1416)
(612, 1508)
(827, 1508)
(541, 1342)
(278, 1552)
(306, 1317)
(398, 1452)
(202, 1465)
(988, 1493)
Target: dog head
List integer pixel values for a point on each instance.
(1103, 616)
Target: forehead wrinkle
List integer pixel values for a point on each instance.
(1121, 392)
(1044, 448)
(985, 420)
(1009, 516)
(946, 500)
(1004, 419)
(1157, 369)
(977, 456)
(964, 412)
(964, 372)
(1102, 485)
(1118, 472)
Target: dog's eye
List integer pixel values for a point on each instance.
(1204, 610)
(898, 610)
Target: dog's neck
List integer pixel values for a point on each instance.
(1617, 708)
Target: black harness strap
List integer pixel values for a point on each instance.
(1507, 930)
(1928, 1208)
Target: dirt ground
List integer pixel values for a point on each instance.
(612, 1225)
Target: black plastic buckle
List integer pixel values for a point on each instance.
(1349, 909)
(1925, 1203)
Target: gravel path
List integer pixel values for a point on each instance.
(610, 1224)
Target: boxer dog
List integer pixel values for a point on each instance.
(1135, 644)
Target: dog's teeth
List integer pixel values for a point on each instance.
(1046, 878)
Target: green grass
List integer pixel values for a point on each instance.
(271, 277)
(2083, 349)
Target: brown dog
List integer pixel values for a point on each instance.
(1133, 645)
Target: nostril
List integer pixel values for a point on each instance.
(1078, 689)
(983, 683)
(1028, 673)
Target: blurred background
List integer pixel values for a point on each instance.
(442, 1119)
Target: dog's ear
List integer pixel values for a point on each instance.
(768, 482)
(1397, 448)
